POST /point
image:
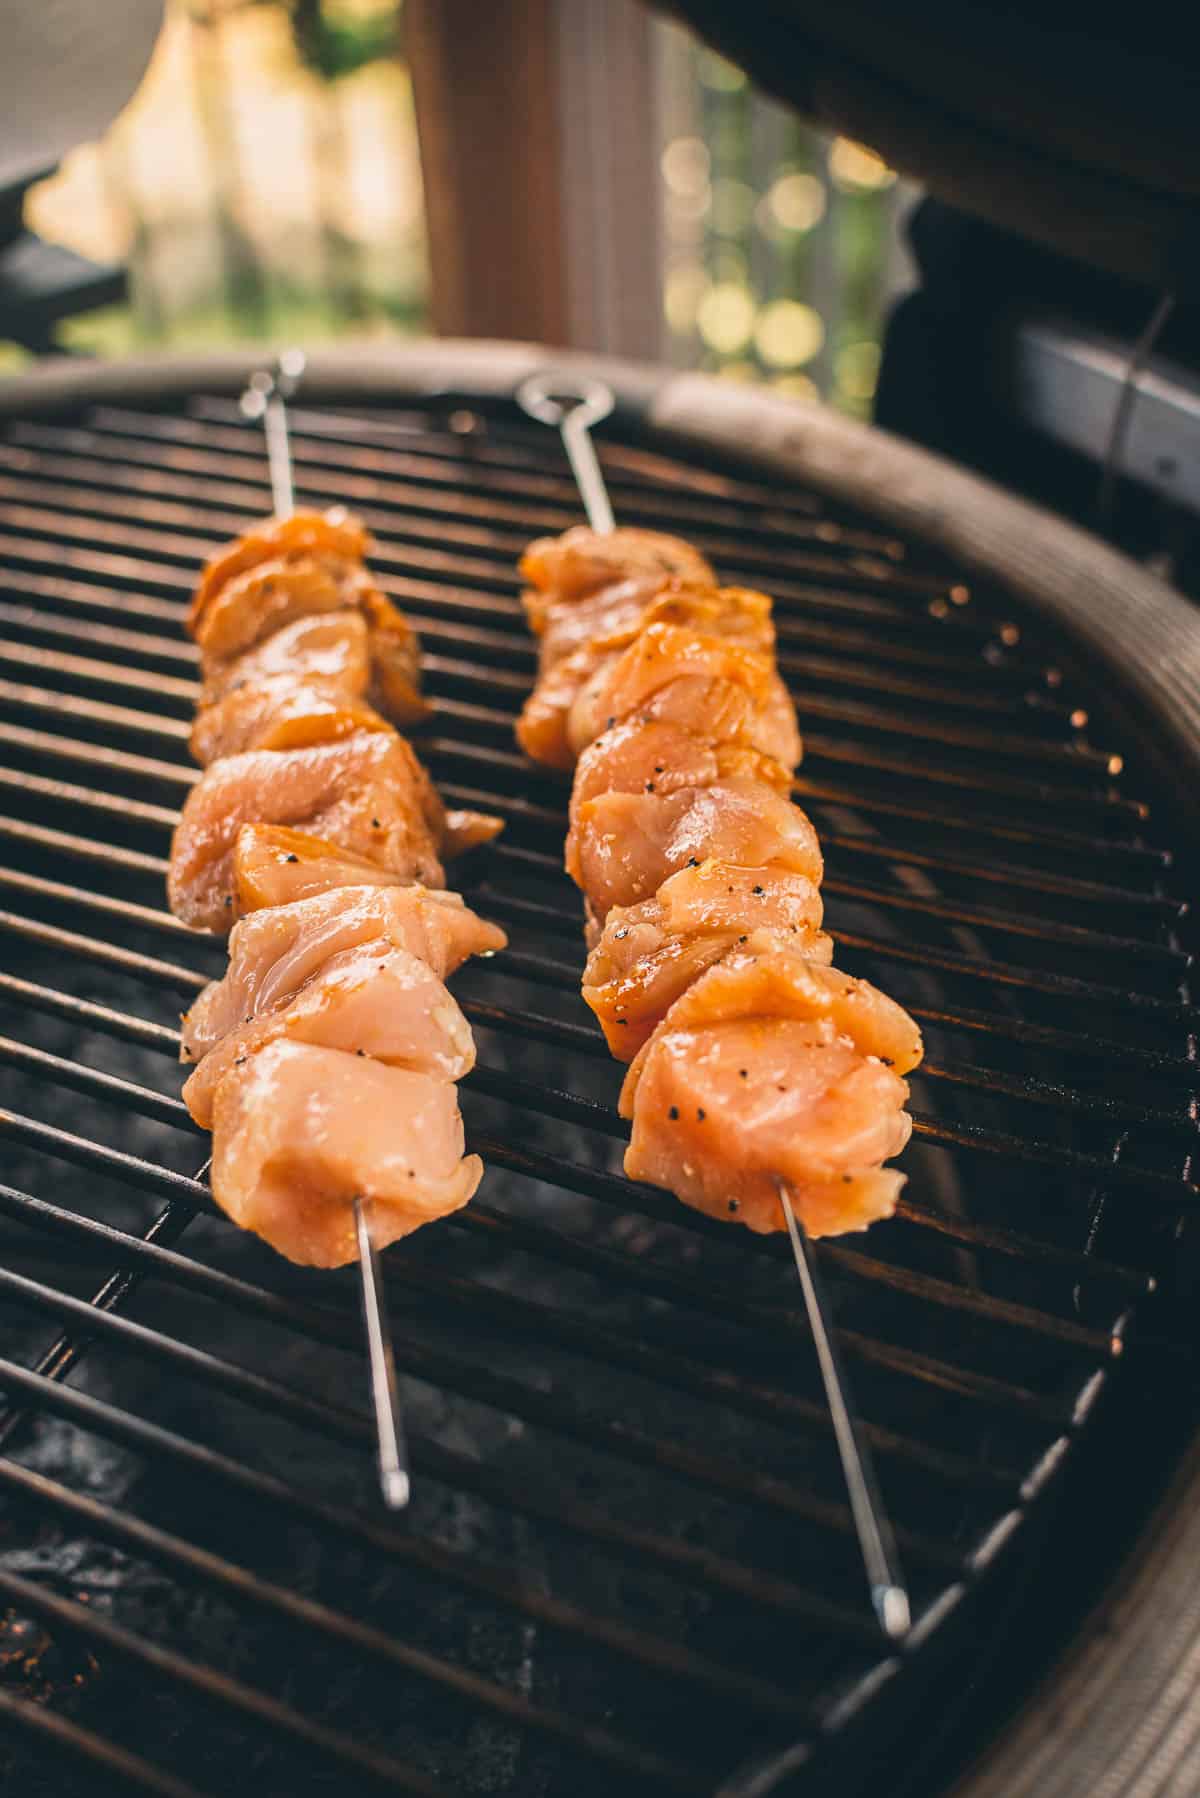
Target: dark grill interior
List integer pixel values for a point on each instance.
(629, 1564)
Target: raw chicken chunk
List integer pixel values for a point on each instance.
(773, 1067)
(395, 655)
(715, 686)
(369, 1001)
(274, 952)
(581, 654)
(300, 1132)
(333, 535)
(624, 845)
(661, 757)
(263, 599)
(367, 793)
(747, 985)
(279, 713)
(329, 647)
(582, 560)
(649, 954)
(275, 865)
(724, 1111)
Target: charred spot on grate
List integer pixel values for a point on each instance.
(629, 1563)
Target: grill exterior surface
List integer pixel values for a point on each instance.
(629, 1564)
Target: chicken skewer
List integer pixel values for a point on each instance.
(573, 408)
(266, 398)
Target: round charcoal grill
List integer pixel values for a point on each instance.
(629, 1565)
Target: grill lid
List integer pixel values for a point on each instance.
(630, 1557)
(1085, 142)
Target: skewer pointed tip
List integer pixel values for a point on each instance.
(396, 1488)
(892, 1609)
(889, 1595)
(385, 1394)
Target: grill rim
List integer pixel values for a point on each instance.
(1120, 615)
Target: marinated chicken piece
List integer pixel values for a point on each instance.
(334, 535)
(542, 727)
(369, 1001)
(606, 619)
(724, 1111)
(366, 793)
(306, 719)
(583, 642)
(746, 984)
(275, 865)
(649, 954)
(714, 685)
(275, 951)
(582, 560)
(624, 845)
(279, 714)
(395, 655)
(613, 617)
(773, 1067)
(262, 599)
(300, 1132)
(328, 648)
(283, 572)
(463, 831)
(659, 756)
(667, 652)
(638, 757)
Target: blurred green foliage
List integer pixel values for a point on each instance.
(339, 39)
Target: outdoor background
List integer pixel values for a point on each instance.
(265, 184)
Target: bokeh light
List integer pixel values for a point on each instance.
(797, 387)
(725, 317)
(854, 168)
(683, 293)
(796, 202)
(783, 245)
(686, 166)
(788, 334)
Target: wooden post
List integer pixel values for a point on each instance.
(485, 79)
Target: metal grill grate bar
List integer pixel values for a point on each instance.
(827, 671)
(1169, 1186)
(855, 713)
(595, 1116)
(149, 1177)
(541, 1322)
(171, 1550)
(215, 1687)
(603, 1534)
(1010, 673)
(84, 1744)
(987, 970)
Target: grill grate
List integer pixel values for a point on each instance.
(629, 1557)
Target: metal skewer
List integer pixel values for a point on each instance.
(572, 406)
(889, 1594)
(265, 399)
